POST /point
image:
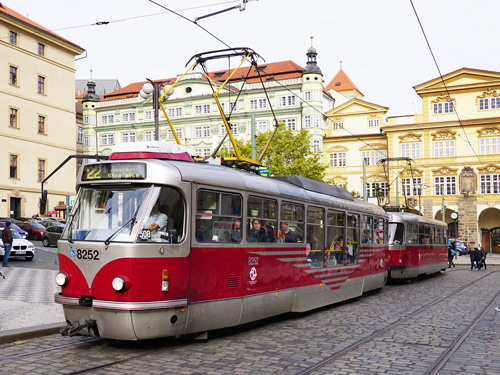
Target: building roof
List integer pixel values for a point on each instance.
(102, 86)
(26, 21)
(341, 82)
(272, 71)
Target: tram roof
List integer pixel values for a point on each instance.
(410, 217)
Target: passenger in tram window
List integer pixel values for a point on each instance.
(202, 233)
(288, 234)
(256, 233)
(157, 220)
(236, 232)
(350, 251)
(366, 237)
(270, 231)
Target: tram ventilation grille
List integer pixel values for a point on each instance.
(234, 281)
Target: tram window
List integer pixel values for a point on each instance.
(366, 228)
(378, 231)
(396, 233)
(262, 220)
(412, 233)
(439, 236)
(315, 237)
(291, 222)
(218, 217)
(352, 242)
(335, 233)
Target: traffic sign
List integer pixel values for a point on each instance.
(264, 171)
(72, 200)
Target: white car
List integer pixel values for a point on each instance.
(21, 248)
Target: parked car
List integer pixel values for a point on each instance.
(15, 228)
(461, 248)
(52, 234)
(35, 230)
(21, 248)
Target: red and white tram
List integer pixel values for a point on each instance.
(417, 245)
(236, 247)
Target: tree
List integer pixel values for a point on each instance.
(288, 154)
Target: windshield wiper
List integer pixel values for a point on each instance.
(70, 228)
(132, 221)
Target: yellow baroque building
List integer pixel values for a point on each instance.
(451, 147)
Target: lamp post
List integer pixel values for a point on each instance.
(419, 188)
(152, 88)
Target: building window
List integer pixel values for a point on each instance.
(13, 118)
(13, 75)
(261, 126)
(373, 123)
(41, 125)
(13, 166)
(446, 107)
(107, 139)
(444, 148)
(290, 123)
(372, 157)
(338, 125)
(228, 107)
(449, 188)
(234, 129)
(202, 131)
(410, 186)
(128, 137)
(149, 135)
(107, 119)
(495, 103)
(202, 151)
(175, 112)
(315, 146)
(41, 85)
(286, 101)
(13, 38)
(338, 159)
(178, 131)
(128, 117)
(89, 120)
(490, 184)
(376, 189)
(79, 136)
(202, 109)
(86, 140)
(258, 103)
(41, 49)
(490, 145)
(410, 150)
(312, 121)
(484, 104)
(41, 170)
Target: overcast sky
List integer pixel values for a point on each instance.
(380, 43)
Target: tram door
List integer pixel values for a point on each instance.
(315, 245)
(335, 239)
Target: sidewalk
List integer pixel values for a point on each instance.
(27, 304)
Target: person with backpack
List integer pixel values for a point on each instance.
(483, 256)
(472, 254)
(451, 255)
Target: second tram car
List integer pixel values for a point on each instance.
(417, 245)
(230, 247)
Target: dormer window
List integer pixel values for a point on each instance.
(446, 107)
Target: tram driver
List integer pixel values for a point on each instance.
(157, 221)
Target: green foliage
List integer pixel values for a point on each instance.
(289, 153)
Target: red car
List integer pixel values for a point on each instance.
(35, 231)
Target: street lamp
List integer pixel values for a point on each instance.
(418, 188)
(152, 88)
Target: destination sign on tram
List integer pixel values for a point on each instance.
(114, 171)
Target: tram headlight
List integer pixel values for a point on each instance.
(119, 284)
(61, 279)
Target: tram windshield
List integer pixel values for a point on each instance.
(126, 215)
(396, 233)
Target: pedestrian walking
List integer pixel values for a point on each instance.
(472, 254)
(451, 255)
(7, 243)
(483, 256)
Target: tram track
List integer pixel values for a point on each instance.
(443, 358)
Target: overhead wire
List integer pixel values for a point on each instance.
(444, 83)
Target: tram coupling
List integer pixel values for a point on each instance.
(77, 329)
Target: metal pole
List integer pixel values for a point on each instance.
(156, 96)
(397, 191)
(252, 136)
(365, 193)
(442, 204)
